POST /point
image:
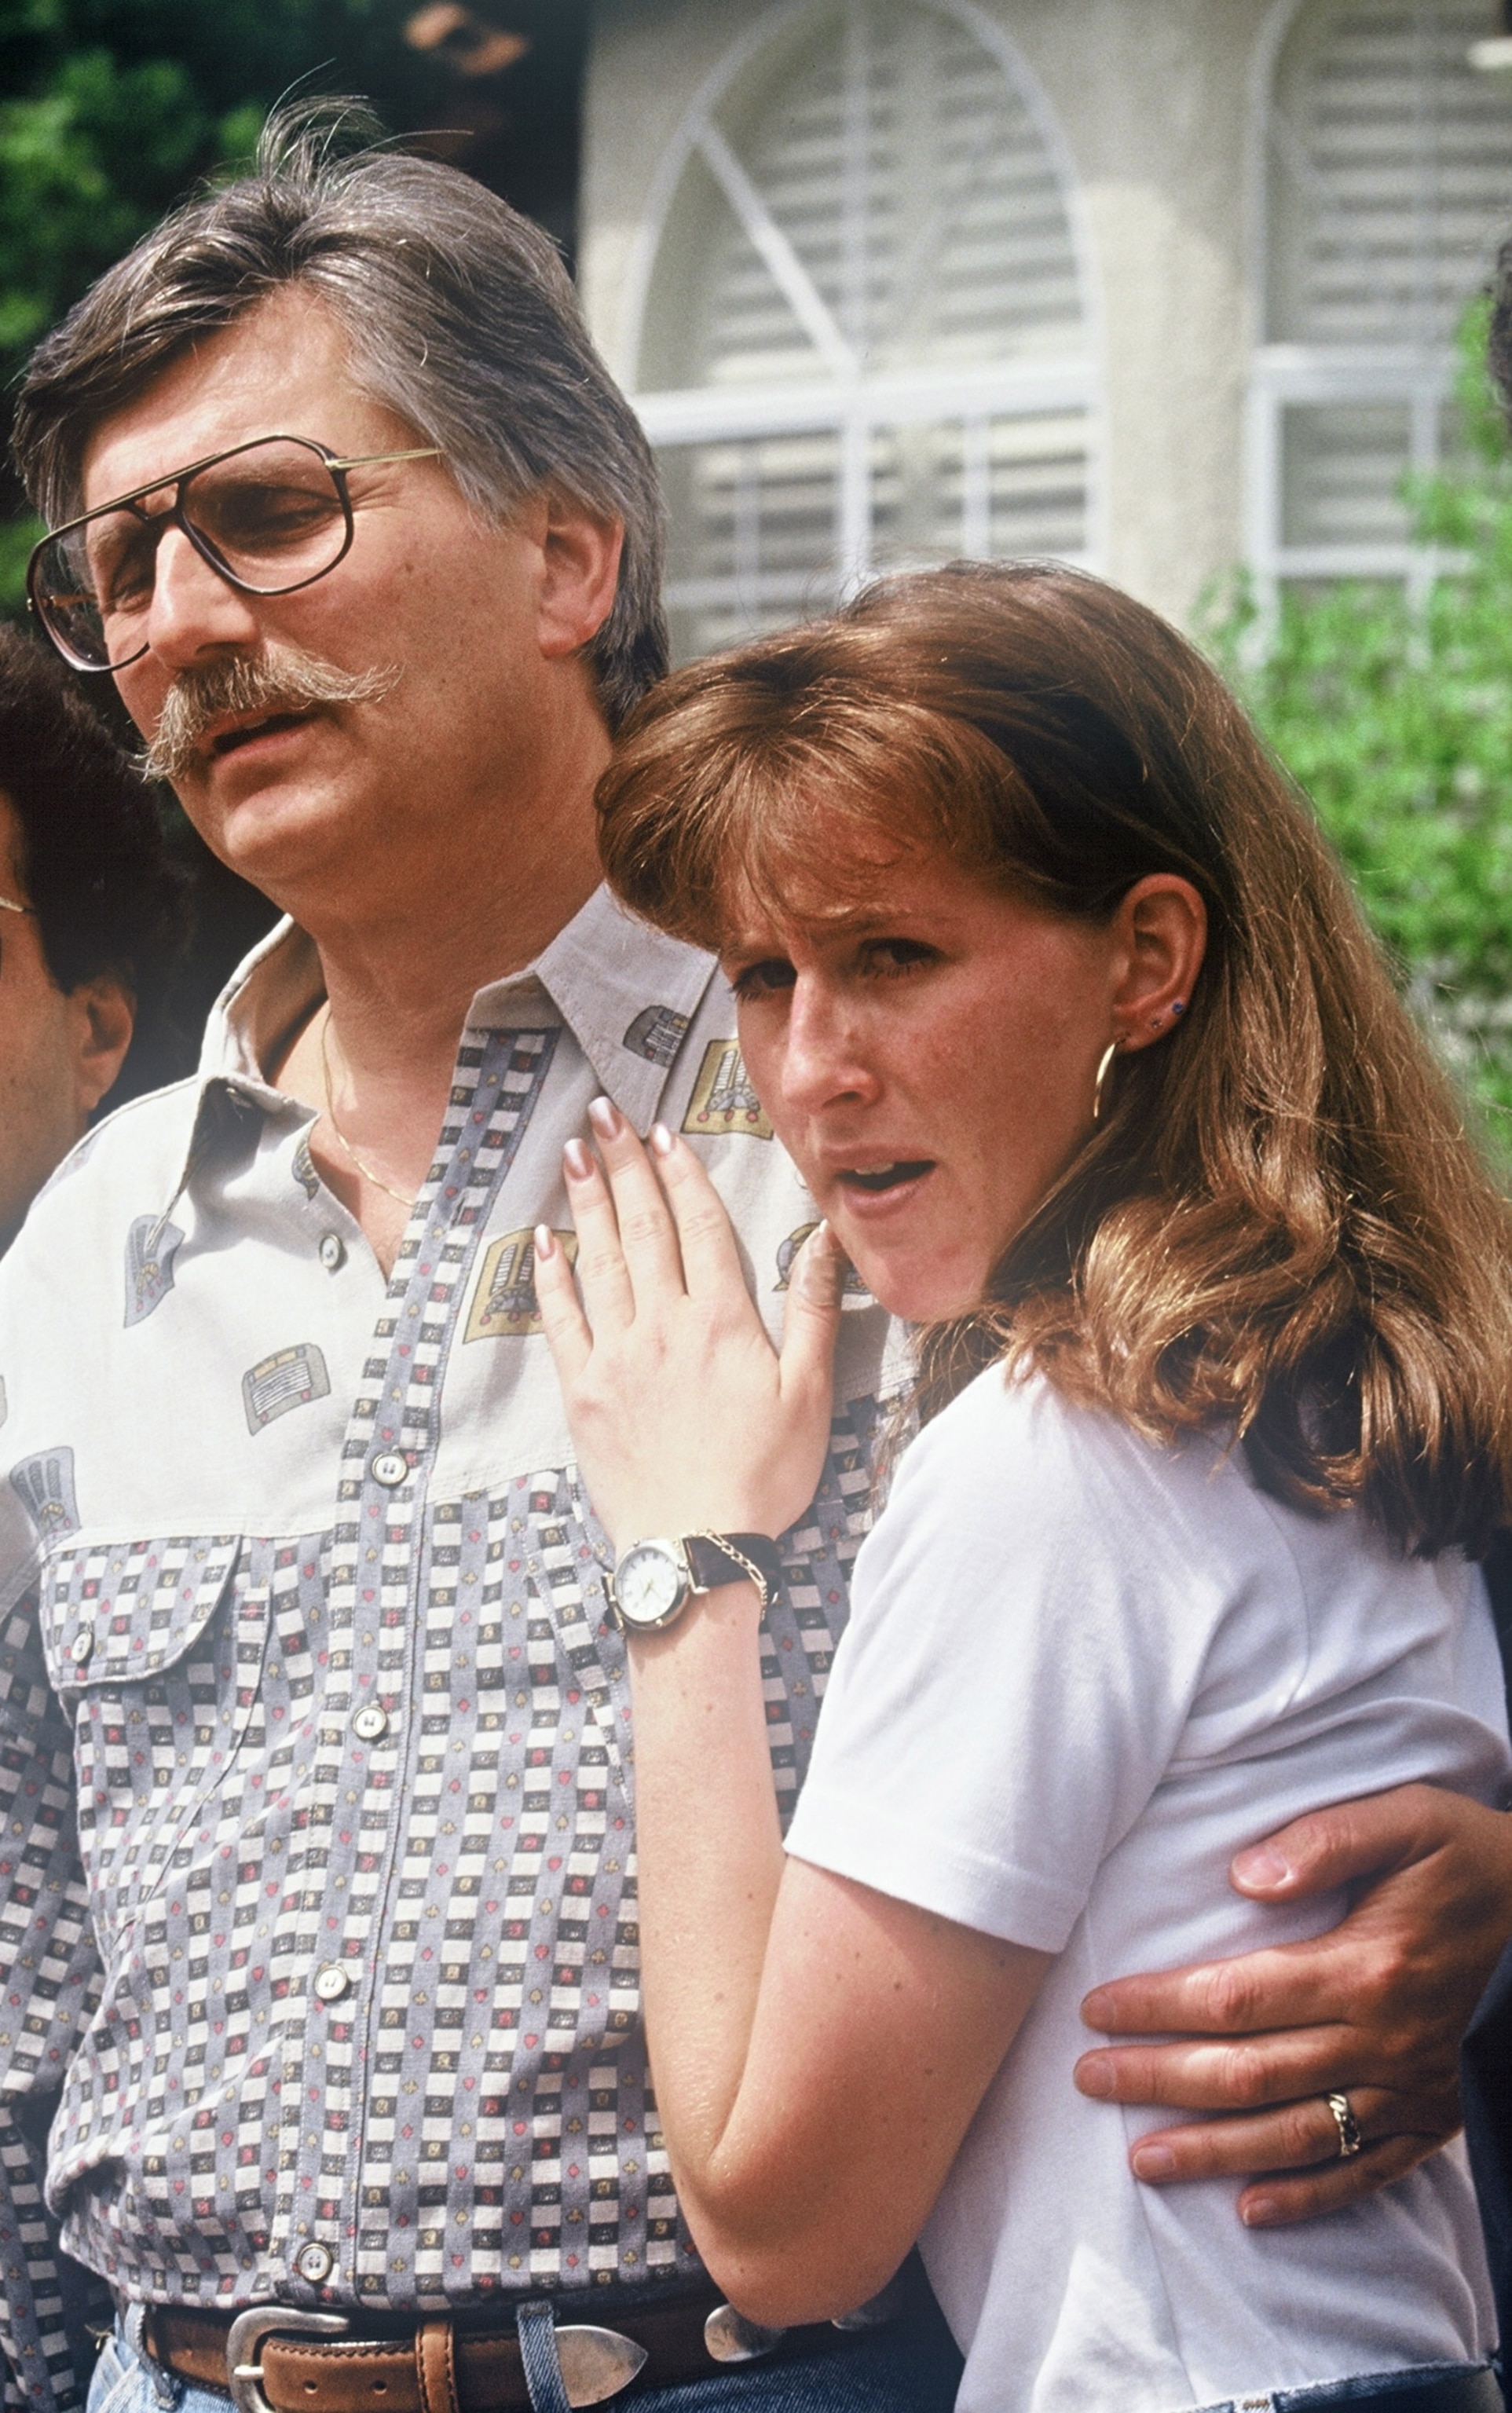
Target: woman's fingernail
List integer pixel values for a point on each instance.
(1152, 2162)
(1093, 2077)
(605, 1118)
(578, 1162)
(1262, 1865)
(662, 1139)
(1260, 2211)
(545, 1241)
(821, 1270)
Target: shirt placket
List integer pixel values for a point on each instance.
(368, 1781)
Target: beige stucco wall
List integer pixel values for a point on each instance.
(1152, 98)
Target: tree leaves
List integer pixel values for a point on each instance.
(1397, 720)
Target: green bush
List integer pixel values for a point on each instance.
(113, 109)
(1397, 720)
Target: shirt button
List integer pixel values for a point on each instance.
(314, 2263)
(370, 1722)
(81, 1648)
(333, 1251)
(329, 1985)
(389, 1468)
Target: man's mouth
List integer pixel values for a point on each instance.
(228, 740)
(879, 1177)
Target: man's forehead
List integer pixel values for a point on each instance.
(282, 367)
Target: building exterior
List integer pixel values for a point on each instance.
(1157, 285)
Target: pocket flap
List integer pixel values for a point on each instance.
(117, 1612)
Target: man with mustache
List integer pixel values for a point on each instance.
(308, 1625)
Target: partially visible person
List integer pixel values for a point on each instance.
(90, 913)
(396, 737)
(1051, 990)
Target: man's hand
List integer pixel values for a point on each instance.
(1376, 2009)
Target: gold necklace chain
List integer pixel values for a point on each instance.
(365, 1170)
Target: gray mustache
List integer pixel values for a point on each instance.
(280, 678)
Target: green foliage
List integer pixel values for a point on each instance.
(1396, 718)
(114, 108)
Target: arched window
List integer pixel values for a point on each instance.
(1388, 185)
(863, 334)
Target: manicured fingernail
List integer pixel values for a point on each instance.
(820, 1269)
(545, 1241)
(1093, 2077)
(662, 1139)
(578, 1162)
(1260, 2211)
(1152, 2162)
(1262, 1865)
(605, 1118)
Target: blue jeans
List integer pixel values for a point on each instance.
(911, 2366)
(1348, 2392)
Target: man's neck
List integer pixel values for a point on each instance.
(375, 1063)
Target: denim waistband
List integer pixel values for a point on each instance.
(1432, 2388)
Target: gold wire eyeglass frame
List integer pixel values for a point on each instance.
(336, 463)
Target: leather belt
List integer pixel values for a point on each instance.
(281, 2359)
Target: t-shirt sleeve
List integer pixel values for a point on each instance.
(1030, 1622)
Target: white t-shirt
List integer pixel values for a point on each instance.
(1080, 1673)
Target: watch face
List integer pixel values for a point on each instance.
(650, 1583)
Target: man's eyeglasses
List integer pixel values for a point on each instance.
(268, 516)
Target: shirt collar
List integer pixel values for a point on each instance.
(626, 992)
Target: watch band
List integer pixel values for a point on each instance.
(715, 1559)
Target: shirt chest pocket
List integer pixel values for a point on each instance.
(155, 1650)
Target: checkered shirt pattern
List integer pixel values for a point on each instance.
(318, 1893)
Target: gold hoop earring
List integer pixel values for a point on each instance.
(1108, 1054)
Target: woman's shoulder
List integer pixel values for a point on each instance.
(1013, 1474)
(1011, 1431)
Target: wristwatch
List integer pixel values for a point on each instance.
(655, 1579)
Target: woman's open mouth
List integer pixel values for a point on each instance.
(877, 1180)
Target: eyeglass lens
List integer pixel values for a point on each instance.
(270, 516)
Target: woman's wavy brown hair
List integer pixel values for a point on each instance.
(1279, 1226)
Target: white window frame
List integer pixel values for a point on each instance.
(1417, 377)
(849, 403)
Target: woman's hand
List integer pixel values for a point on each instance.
(685, 1418)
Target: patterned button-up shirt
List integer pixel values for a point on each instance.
(317, 1877)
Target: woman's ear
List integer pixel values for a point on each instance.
(1163, 925)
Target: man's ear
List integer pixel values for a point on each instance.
(103, 1013)
(580, 554)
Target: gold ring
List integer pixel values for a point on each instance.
(1350, 2139)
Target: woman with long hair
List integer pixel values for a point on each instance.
(1048, 984)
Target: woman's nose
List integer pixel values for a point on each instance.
(823, 1057)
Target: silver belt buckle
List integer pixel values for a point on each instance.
(244, 2372)
(596, 2363)
(730, 2338)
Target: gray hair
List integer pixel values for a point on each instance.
(459, 314)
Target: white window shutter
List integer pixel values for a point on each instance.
(864, 343)
(1389, 187)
